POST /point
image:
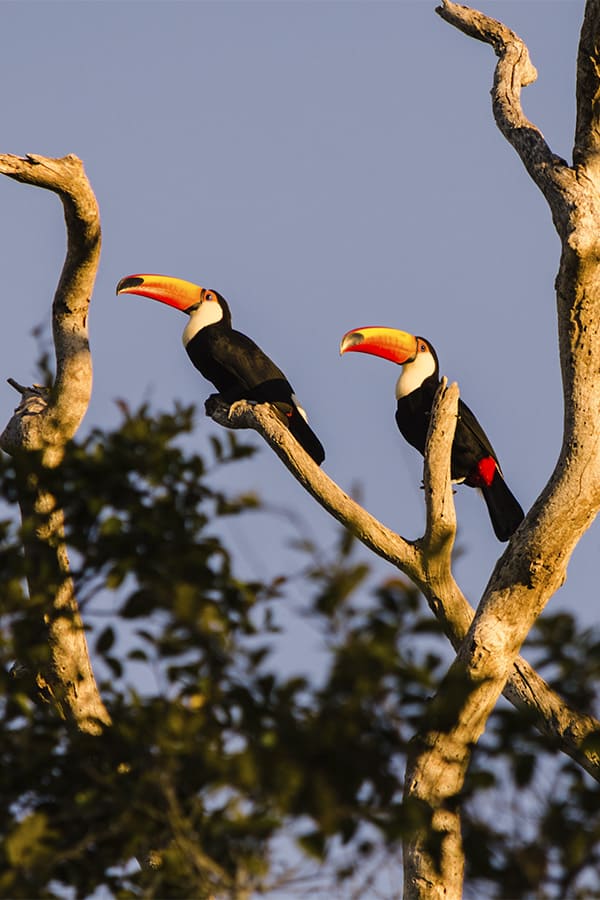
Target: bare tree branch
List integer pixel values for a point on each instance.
(535, 562)
(440, 529)
(262, 418)
(43, 423)
(52, 427)
(534, 565)
(586, 151)
(514, 71)
(427, 562)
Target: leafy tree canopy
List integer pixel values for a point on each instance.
(213, 755)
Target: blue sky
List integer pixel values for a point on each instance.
(324, 165)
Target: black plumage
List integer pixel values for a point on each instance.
(240, 370)
(473, 459)
(230, 360)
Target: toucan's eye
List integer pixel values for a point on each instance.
(209, 295)
(423, 347)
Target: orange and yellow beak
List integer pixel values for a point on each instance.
(389, 343)
(172, 291)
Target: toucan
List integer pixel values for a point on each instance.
(473, 460)
(236, 366)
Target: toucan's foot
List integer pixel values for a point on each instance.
(236, 403)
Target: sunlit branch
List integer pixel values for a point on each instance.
(515, 70)
(42, 424)
(429, 570)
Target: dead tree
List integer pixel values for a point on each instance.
(36, 436)
(534, 564)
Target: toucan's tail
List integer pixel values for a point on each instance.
(279, 393)
(305, 435)
(504, 509)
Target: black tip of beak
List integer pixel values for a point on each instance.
(129, 282)
(354, 339)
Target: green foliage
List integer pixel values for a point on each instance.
(534, 830)
(213, 752)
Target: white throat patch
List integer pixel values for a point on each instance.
(208, 313)
(414, 374)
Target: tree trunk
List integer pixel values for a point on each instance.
(36, 436)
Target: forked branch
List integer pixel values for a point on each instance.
(66, 404)
(513, 72)
(426, 562)
(534, 564)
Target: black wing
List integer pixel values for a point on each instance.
(237, 367)
(240, 370)
(471, 440)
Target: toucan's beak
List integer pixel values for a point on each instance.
(172, 291)
(389, 343)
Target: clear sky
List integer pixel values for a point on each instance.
(324, 165)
